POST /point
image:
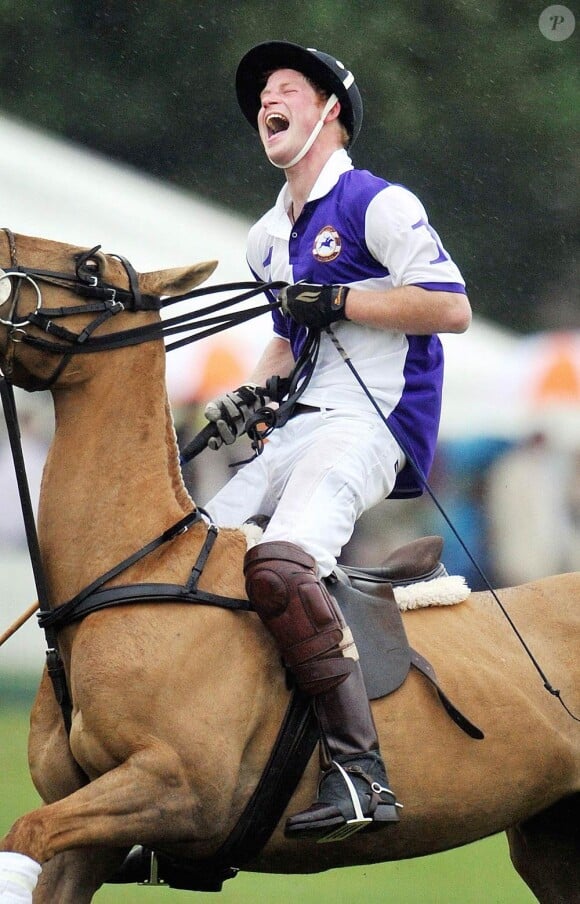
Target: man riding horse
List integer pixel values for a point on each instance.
(358, 253)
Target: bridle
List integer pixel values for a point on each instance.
(105, 300)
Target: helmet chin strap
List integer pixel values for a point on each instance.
(312, 137)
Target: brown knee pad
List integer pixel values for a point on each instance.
(303, 618)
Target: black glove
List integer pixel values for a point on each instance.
(229, 412)
(314, 305)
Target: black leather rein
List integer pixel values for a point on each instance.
(106, 300)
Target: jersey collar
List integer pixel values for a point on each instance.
(338, 163)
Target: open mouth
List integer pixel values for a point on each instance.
(275, 123)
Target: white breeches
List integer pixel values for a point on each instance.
(314, 479)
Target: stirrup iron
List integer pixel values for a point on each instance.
(359, 820)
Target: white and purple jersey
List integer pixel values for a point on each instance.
(362, 231)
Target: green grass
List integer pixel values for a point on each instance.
(476, 874)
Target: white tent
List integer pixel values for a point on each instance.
(473, 404)
(62, 191)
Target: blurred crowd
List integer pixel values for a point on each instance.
(509, 512)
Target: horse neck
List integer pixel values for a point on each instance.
(112, 480)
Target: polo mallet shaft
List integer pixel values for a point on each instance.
(19, 622)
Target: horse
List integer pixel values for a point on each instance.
(175, 707)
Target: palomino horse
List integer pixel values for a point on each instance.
(176, 707)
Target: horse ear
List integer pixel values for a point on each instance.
(177, 280)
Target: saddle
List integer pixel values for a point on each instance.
(367, 600)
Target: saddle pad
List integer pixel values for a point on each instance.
(379, 633)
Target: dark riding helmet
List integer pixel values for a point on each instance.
(326, 72)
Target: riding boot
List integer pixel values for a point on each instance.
(318, 648)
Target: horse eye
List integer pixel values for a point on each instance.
(91, 264)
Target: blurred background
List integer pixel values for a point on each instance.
(119, 126)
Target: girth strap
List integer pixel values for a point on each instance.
(292, 750)
(294, 746)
